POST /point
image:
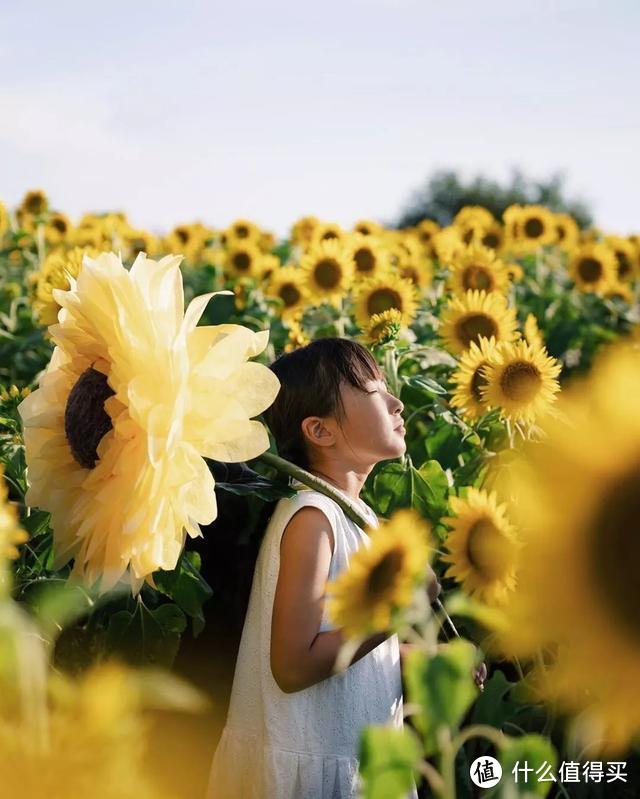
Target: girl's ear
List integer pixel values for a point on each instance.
(316, 431)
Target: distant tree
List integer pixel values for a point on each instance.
(445, 194)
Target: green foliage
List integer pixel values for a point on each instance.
(445, 193)
(187, 587)
(426, 489)
(535, 751)
(388, 761)
(146, 637)
(442, 686)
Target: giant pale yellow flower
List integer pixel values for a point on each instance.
(382, 575)
(477, 313)
(133, 398)
(56, 270)
(576, 501)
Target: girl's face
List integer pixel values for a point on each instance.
(372, 428)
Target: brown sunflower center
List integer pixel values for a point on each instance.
(290, 294)
(533, 228)
(616, 549)
(478, 277)
(241, 261)
(327, 273)
(488, 549)
(520, 381)
(59, 224)
(491, 240)
(85, 419)
(590, 270)
(624, 265)
(561, 232)
(242, 231)
(478, 381)
(382, 299)
(365, 260)
(474, 325)
(383, 575)
(411, 273)
(329, 234)
(35, 203)
(183, 234)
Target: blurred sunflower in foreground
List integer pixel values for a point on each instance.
(133, 398)
(382, 575)
(576, 500)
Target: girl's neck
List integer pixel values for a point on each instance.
(349, 483)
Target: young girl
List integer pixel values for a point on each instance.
(293, 727)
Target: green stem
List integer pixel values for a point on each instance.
(286, 467)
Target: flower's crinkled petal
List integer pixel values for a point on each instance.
(243, 441)
(254, 386)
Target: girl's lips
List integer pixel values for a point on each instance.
(400, 427)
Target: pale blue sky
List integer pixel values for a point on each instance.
(185, 110)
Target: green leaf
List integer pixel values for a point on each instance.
(533, 751)
(443, 686)
(146, 636)
(389, 759)
(493, 706)
(427, 384)
(430, 490)
(187, 587)
(392, 488)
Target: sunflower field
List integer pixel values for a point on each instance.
(133, 379)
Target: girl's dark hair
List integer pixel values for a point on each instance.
(310, 379)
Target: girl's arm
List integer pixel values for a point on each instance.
(300, 655)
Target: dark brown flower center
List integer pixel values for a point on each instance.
(382, 299)
(478, 381)
(616, 550)
(183, 234)
(290, 294)
(365, 260)
(59, 224)
(35, 203)
(383, 575)
(624, 265)
(590, 270)
(488, 549)
(533, 228)
(329, 234)
(491, 240)
(85, 419)
(520, 381)
(241, 261)
(327, 273)
(474, 325)
(242, 231)
(478, 277)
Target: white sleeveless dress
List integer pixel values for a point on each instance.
(302, 745)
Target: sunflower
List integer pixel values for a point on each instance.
(377, 294)
(137, 241)
(476, 314)
(425, 231)
(383, 327)
(382, 575)
(532, 332)
(482, 547)
(303, 228)
(55, 273)
(593, 267)
(370, 256)
(447, 243)
(626, 258)
(297, 336)
(326, 231)
(34, 203)
(288, 284)
(535, 226)
(577, 508)
(188, 240)
(133, 398)
(409, 259)
(469, 378)
(11, 534)
(521, 381)
(492, 236)
(57, 228)
(328, 270)
(567, 231)
(471, 215)
(477, 267)
(4, 219)
(243, 259)
(241, 232)
(619, 290)
(367, 227)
